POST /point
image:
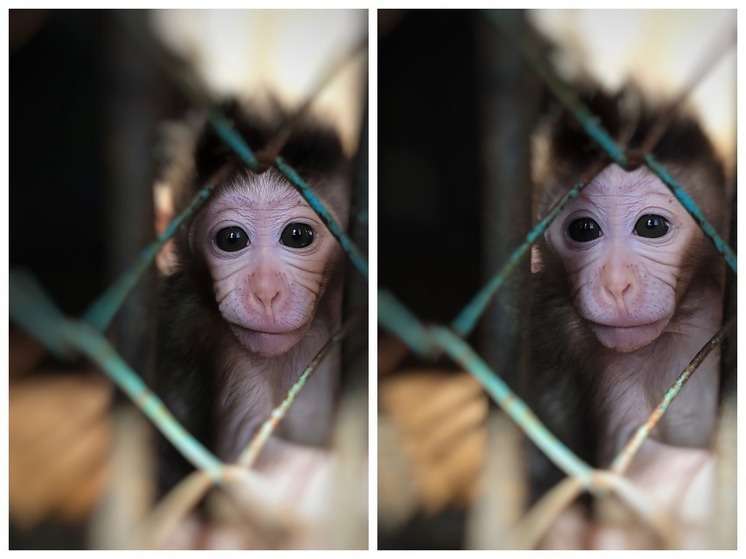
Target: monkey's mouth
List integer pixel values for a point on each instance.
(268, 343)
(268, 330)
(628, 337)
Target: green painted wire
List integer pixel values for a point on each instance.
(32, 309)
(102, 311)
(720, 245)
(353, 252)
(400, 321)
(467, 319)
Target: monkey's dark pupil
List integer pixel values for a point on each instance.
(584, 230)
(231, 239)
(652, 226)
(297, 235)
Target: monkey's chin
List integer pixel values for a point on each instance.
(630, 338)
(268, 344)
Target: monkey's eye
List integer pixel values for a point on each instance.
(297, 235)
(584, 230)
(652, 226)
(231, 239)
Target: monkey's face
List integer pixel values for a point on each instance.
(624, 244)
(270, 258)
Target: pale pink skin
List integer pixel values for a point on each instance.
(282, 305)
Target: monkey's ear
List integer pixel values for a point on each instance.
(536, 263)
(174, 185)
(163, 207)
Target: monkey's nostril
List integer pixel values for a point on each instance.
(268, 298)
(618, 291)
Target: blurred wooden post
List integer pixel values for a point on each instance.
(509, 105)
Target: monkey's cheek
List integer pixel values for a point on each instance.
(626, 340)
(266, 344)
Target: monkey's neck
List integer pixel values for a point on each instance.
(634, 383)
(254, 386)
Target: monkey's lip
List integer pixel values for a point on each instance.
(628, 325)
(266, 331)
(628, 337)
(267, 344)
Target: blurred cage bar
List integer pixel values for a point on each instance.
(86, 100)
(446, 79)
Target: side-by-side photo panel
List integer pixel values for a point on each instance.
(188, 279)
(556, 282)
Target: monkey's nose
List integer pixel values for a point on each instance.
(266, 290)
(618, 283)
(619, 292)
(268, 299)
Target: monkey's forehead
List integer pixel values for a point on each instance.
(248, 202)
(266, 189)
(268, 193)
(616, 181)
(269, 189)
(272, 189)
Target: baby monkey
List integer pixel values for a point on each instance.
(626, 286)
(256, 288)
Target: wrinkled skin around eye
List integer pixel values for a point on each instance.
(622, 243)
